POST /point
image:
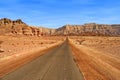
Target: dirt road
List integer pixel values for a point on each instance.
(57, 64)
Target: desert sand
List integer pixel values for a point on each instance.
(97, 57)
(16, 51)
(11, 45)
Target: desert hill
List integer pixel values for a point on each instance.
(89, 29)
(18, 27)
(9, 27)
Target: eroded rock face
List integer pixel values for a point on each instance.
(17, 27)
(89, 29)
(11, 27)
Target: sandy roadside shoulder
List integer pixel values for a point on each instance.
(12, 62)
(95, 64)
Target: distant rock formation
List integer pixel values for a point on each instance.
(17, 27)
(89, 29)
(9, 27)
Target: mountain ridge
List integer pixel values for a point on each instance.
(18, 27)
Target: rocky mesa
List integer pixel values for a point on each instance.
(18, 27)
(89, 29)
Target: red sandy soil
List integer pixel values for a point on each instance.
(20, 50)
(96, 57)
(17, 44)
(107, 45)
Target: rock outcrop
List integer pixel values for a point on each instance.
(89, 29)
(17, 27)
(9, 27)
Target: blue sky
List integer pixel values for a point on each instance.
(56, 13)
